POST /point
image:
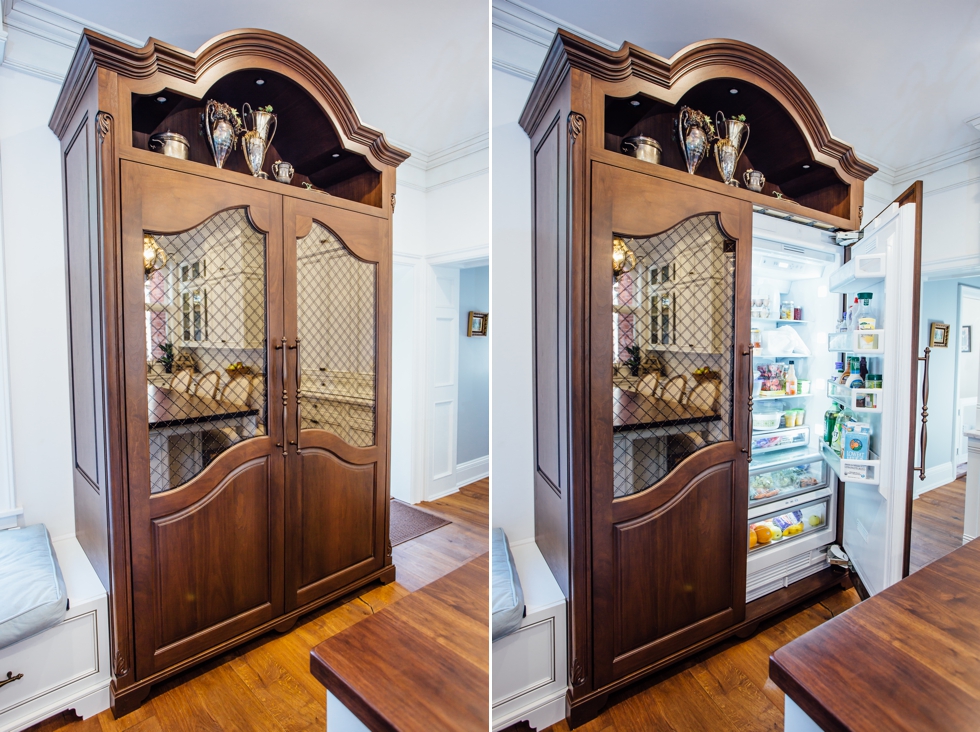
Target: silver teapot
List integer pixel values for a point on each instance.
(642, 147)
(170, 144)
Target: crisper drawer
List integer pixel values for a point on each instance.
(784, 439)
(49, 660)
(786, 479)
(789, 521)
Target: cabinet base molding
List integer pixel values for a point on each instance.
(126, 700)
(584, 710)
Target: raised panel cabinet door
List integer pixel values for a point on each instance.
(205, 460)
(669, 471)
(337, 275)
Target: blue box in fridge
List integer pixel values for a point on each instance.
(856, 441)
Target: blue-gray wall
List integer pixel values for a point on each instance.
(473, 433)
(938, 304)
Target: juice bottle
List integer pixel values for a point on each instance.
(829, 420)
(791, 382)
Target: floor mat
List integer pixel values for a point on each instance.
(408, 522)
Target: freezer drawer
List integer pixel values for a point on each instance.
(773, 482)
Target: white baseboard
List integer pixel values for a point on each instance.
(936, 476)
(540, 716)
(472, 471)
(967, 538)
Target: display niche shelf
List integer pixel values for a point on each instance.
(776, 145)
(305, 136)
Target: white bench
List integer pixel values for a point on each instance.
(530, 675)
(67, 665)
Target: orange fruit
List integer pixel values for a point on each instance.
(763, 534)
(753, 539)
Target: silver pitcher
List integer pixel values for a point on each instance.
(729, 148)
(264, 122)
(222, 126)
(254, 148)
(754, 180)
(283, 171)
(695, 137)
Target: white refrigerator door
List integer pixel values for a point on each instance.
(874, 516)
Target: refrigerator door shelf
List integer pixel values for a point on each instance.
(860, 273)
(847, 397)
(857, 341)
(852, 471)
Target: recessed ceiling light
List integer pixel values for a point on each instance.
(806, 167)
(733, 91)
(161, 99)
(259, 82)
(635, 102)
(336, 155)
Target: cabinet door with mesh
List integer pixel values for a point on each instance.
(202, 277)
(338, 333)
(671, 268)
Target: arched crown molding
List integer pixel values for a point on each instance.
(96, 51)
(698, 62)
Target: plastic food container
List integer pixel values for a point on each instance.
(764, 421)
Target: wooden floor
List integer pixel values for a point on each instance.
(267, 684)
(937, 523)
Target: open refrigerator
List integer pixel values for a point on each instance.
(806, 496)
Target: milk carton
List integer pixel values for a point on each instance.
(856, 441)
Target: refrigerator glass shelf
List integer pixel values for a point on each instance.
(762, 398)
(759, 353)
(779, 321)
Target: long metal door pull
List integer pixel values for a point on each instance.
(924, 434)
(285, 399)
(11, 678)
(748, 448)
(299, 404)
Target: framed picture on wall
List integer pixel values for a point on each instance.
(966, 338)
(477, 325)
(938, 335)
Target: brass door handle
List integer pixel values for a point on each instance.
(748, 448)
(11, 678)
(299, 418)
(924, 435)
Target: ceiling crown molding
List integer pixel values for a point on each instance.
(96, 50)
(710, 59)
(52, 24)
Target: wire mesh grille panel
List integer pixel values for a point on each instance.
(335, 319)
(673, 350)
(206, 346)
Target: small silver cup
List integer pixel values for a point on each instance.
(754, 180)
(283, 171)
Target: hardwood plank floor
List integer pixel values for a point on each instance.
(267, 684)
(937, 523)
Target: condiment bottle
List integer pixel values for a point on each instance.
(866, 315)
(791, 382)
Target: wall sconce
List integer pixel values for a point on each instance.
(622, 256)
(154, 257)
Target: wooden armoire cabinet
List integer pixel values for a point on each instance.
(640, 501)
(230, 346)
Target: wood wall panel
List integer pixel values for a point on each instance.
(213, 560)
(338, 516)
(547, 314)
(85, 317)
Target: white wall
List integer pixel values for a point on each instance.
(968, 368)
(511, 452)
(473, 432)
(34, 279)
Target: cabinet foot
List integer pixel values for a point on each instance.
(285, 626)
(125, 701)
(388, 576)
(578, 714)
(747, 632)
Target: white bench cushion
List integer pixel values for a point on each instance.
(508, 597)
(34, 596)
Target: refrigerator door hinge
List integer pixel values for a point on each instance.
(837, 557)
(848, 238)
